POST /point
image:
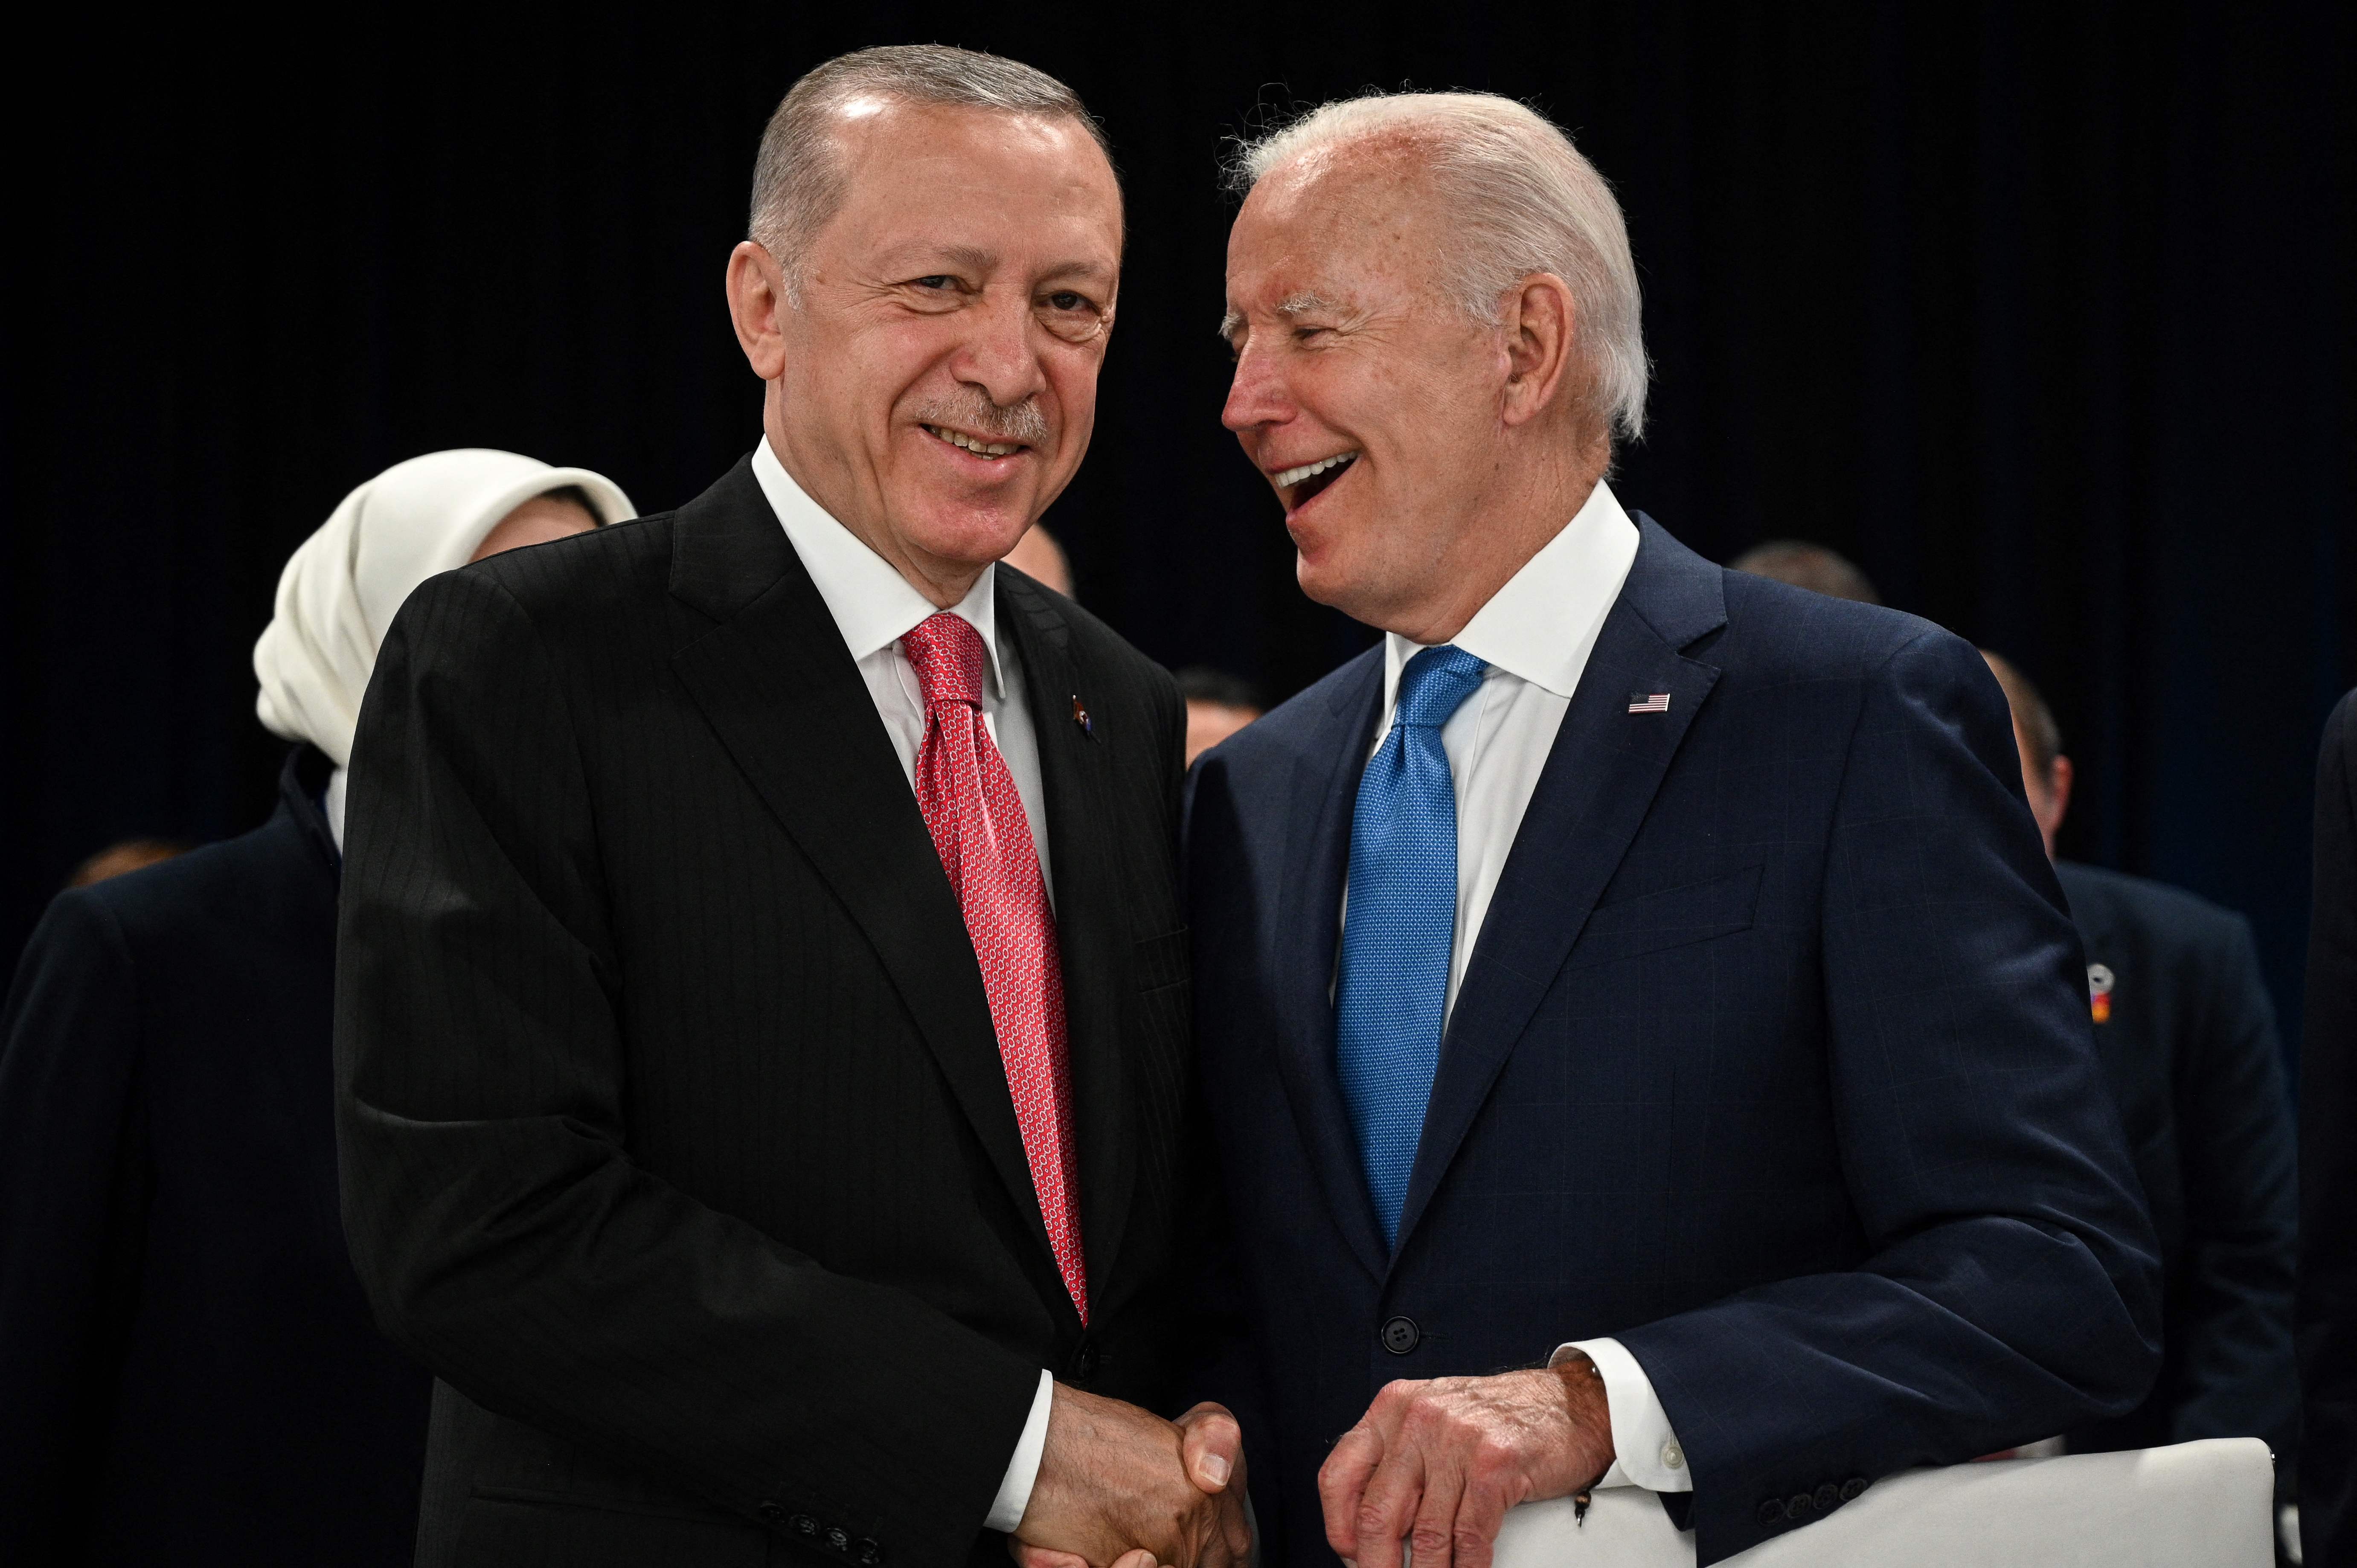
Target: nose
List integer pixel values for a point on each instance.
(1257, 395)
(1000, 356)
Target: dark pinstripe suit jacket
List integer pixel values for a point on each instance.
(672, 1123)
(1772, 1059)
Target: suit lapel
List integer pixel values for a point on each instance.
(1092, 932)
(776, 682)
(1591, 798)
(1324, 787)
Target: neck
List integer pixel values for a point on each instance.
(826, 480)
(1516, 517)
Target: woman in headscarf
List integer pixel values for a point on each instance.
(189, 1373)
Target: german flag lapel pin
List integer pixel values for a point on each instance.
(2100, 980)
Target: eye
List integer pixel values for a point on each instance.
(1072, 315)
(1303, 334)
(934, 281)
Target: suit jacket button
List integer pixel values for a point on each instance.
(870, 1554)
(803, 1524)
(1401, 1336)
(1828, 1497)
(1852, 1488)
(772, 1512)
(1771, 1511)
(1800, 1505)
(1084, 1361)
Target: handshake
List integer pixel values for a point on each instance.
(1121, 1487)
(1434, 1464)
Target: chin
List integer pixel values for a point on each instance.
(968, 532)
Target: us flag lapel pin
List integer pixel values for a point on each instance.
(1081, 717)
(1648, 701)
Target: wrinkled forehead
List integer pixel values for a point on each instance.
(1333, 231)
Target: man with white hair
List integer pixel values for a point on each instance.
(1635, 974)
(761, 1025)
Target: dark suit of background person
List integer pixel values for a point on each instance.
(2327, 1164)
(701, 1170)
(1771, 1062)
(189, 1372)
(2187, 1035)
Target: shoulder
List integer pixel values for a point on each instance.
(1782, 632)
(222, 894)
(2170, 917)
(1095, 648)
(1306, 726)
(579, 581)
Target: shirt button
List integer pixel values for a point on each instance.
(1672, 1456)
(1401, 1336)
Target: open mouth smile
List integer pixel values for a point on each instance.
(975, 445)
(1299, 485)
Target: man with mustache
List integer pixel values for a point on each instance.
(1643, 1036)
(762, 1033)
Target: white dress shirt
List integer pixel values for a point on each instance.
(874, 606)
(1535, 635)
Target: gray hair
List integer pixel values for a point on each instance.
(1525, 201)
(798, 180)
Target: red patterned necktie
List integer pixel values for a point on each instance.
(976, 819)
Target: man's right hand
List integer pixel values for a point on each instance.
(1115, 1481)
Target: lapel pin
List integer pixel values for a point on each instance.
(2099, 992)
(1648, 702)
(1081, 717)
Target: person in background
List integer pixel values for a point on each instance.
(2187, 1039)
(1811, 566)
(130, 855)
(189, 1373)
(1218, 705)
(2327, 1309)
(1039, 557)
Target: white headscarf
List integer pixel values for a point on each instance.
(339, 590)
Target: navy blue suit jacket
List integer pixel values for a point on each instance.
(1772, 1059)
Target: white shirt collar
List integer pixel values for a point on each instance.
(1542, 625)
(874, 606)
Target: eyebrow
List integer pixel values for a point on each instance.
(1294, 305)
(973, 257)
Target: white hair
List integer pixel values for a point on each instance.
(798, 178)
(1523, 201)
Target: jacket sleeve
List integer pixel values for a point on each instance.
(2012, 1288)
(2236, 1140)
(502, 1231)
(73, 1183)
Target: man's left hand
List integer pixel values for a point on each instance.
(1439, 1463)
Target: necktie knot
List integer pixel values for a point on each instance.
(1434, 684)
(946, 652)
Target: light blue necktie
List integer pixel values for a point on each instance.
(1398, 925)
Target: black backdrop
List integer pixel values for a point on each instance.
(2041, 311)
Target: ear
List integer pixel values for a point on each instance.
(1539, 317)
(757, 299)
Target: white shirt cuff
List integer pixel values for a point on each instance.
(1023, 1470)
(1646, 1452)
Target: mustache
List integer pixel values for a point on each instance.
(973, 412)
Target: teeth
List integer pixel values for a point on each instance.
(984, 449)
(1292, 477)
